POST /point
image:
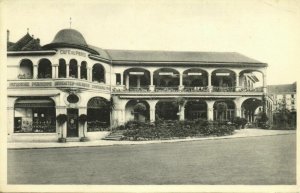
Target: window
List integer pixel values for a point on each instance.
(118, 78)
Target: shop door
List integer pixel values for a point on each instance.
(72, 125)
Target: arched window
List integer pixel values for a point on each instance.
(26, 69)
(62, 68)
(98, 73)
(44, 69)
(73, 70)
(83, 70)
(98, 114)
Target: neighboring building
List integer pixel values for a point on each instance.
(284, 94)
(69, 76)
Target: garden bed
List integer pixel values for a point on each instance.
(162, 130)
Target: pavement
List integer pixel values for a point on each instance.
(237, 134)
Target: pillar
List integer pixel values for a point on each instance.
(210, 110)
(209, 82)
(35, 71)
(151, 87)
(78, 71)
(180, 81)
(181, 112)
(264, 83)
(138, 81)
(152, 104)
(10, 114)
(67, 70)
(53, 71)
(237, 82)
(56, 71)
(127, 82)
(122, 81)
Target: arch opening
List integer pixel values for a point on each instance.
(166, 110)
(223, 80)
(137, 79)
(62, 68)
(137, 110)
(224, 110)
(195, 109)
(73, 69)
(26, 69)
(98, 73)
(44, 69)
(98, 114)
(166, 79)
(195, 80)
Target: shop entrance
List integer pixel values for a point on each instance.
(72, 125)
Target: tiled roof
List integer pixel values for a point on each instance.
(176, 56)
(26, 43)
(283, 88)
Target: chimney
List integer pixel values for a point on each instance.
(7, 35)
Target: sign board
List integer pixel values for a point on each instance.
(194, 73)
(136, 73)
(73, 52)
(223, 74)
(166, 73)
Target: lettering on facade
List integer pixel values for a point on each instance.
(19, 84)
(73, 52)
(41, 84)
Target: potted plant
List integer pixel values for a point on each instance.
(140, 108)
(82, 119)
(61, 119)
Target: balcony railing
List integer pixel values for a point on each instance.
(166, 89)
(196, 89)
(223, 89)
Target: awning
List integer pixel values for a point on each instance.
(34, 103)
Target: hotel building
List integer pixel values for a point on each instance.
(73, 78)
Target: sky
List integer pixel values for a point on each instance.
(267, 31)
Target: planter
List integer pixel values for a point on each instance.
(84, 139)
(62, 140)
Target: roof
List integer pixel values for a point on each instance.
(176, 56)
(27, 42)
(281, 89)
(69, 36)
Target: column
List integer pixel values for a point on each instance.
(56, 71)
(210, 110)
(122, 81)
(35, 71)
(151, 86)
(138, 81)
(180, 81)
(238, 105)
(152, 104)
(53, 71)
(10, 114)
(264, 83)
(237, 82)
(78, 72)
(181, 112)
(209, 81)
(127, 82)
(67, 70)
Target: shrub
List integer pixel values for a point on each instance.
(240, 122)
(61, 118)
(169, 129)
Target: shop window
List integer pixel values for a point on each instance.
(34, 116)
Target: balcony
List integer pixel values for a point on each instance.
(57, 83)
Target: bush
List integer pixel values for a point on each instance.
(174, 129)
(240, 122)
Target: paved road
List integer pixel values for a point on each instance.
(250, 161)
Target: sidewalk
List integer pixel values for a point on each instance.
(238, 134)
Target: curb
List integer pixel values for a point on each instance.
(151, 142)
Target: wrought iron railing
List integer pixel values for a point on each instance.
(223, 89)
(196, 89)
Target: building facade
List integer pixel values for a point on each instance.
(111, 87)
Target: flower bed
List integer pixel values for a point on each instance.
(174, 129)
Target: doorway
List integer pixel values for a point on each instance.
(72, 125)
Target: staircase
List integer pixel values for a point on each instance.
(115, 135)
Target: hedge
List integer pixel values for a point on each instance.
(134, 130)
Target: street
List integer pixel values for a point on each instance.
(265, 160)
